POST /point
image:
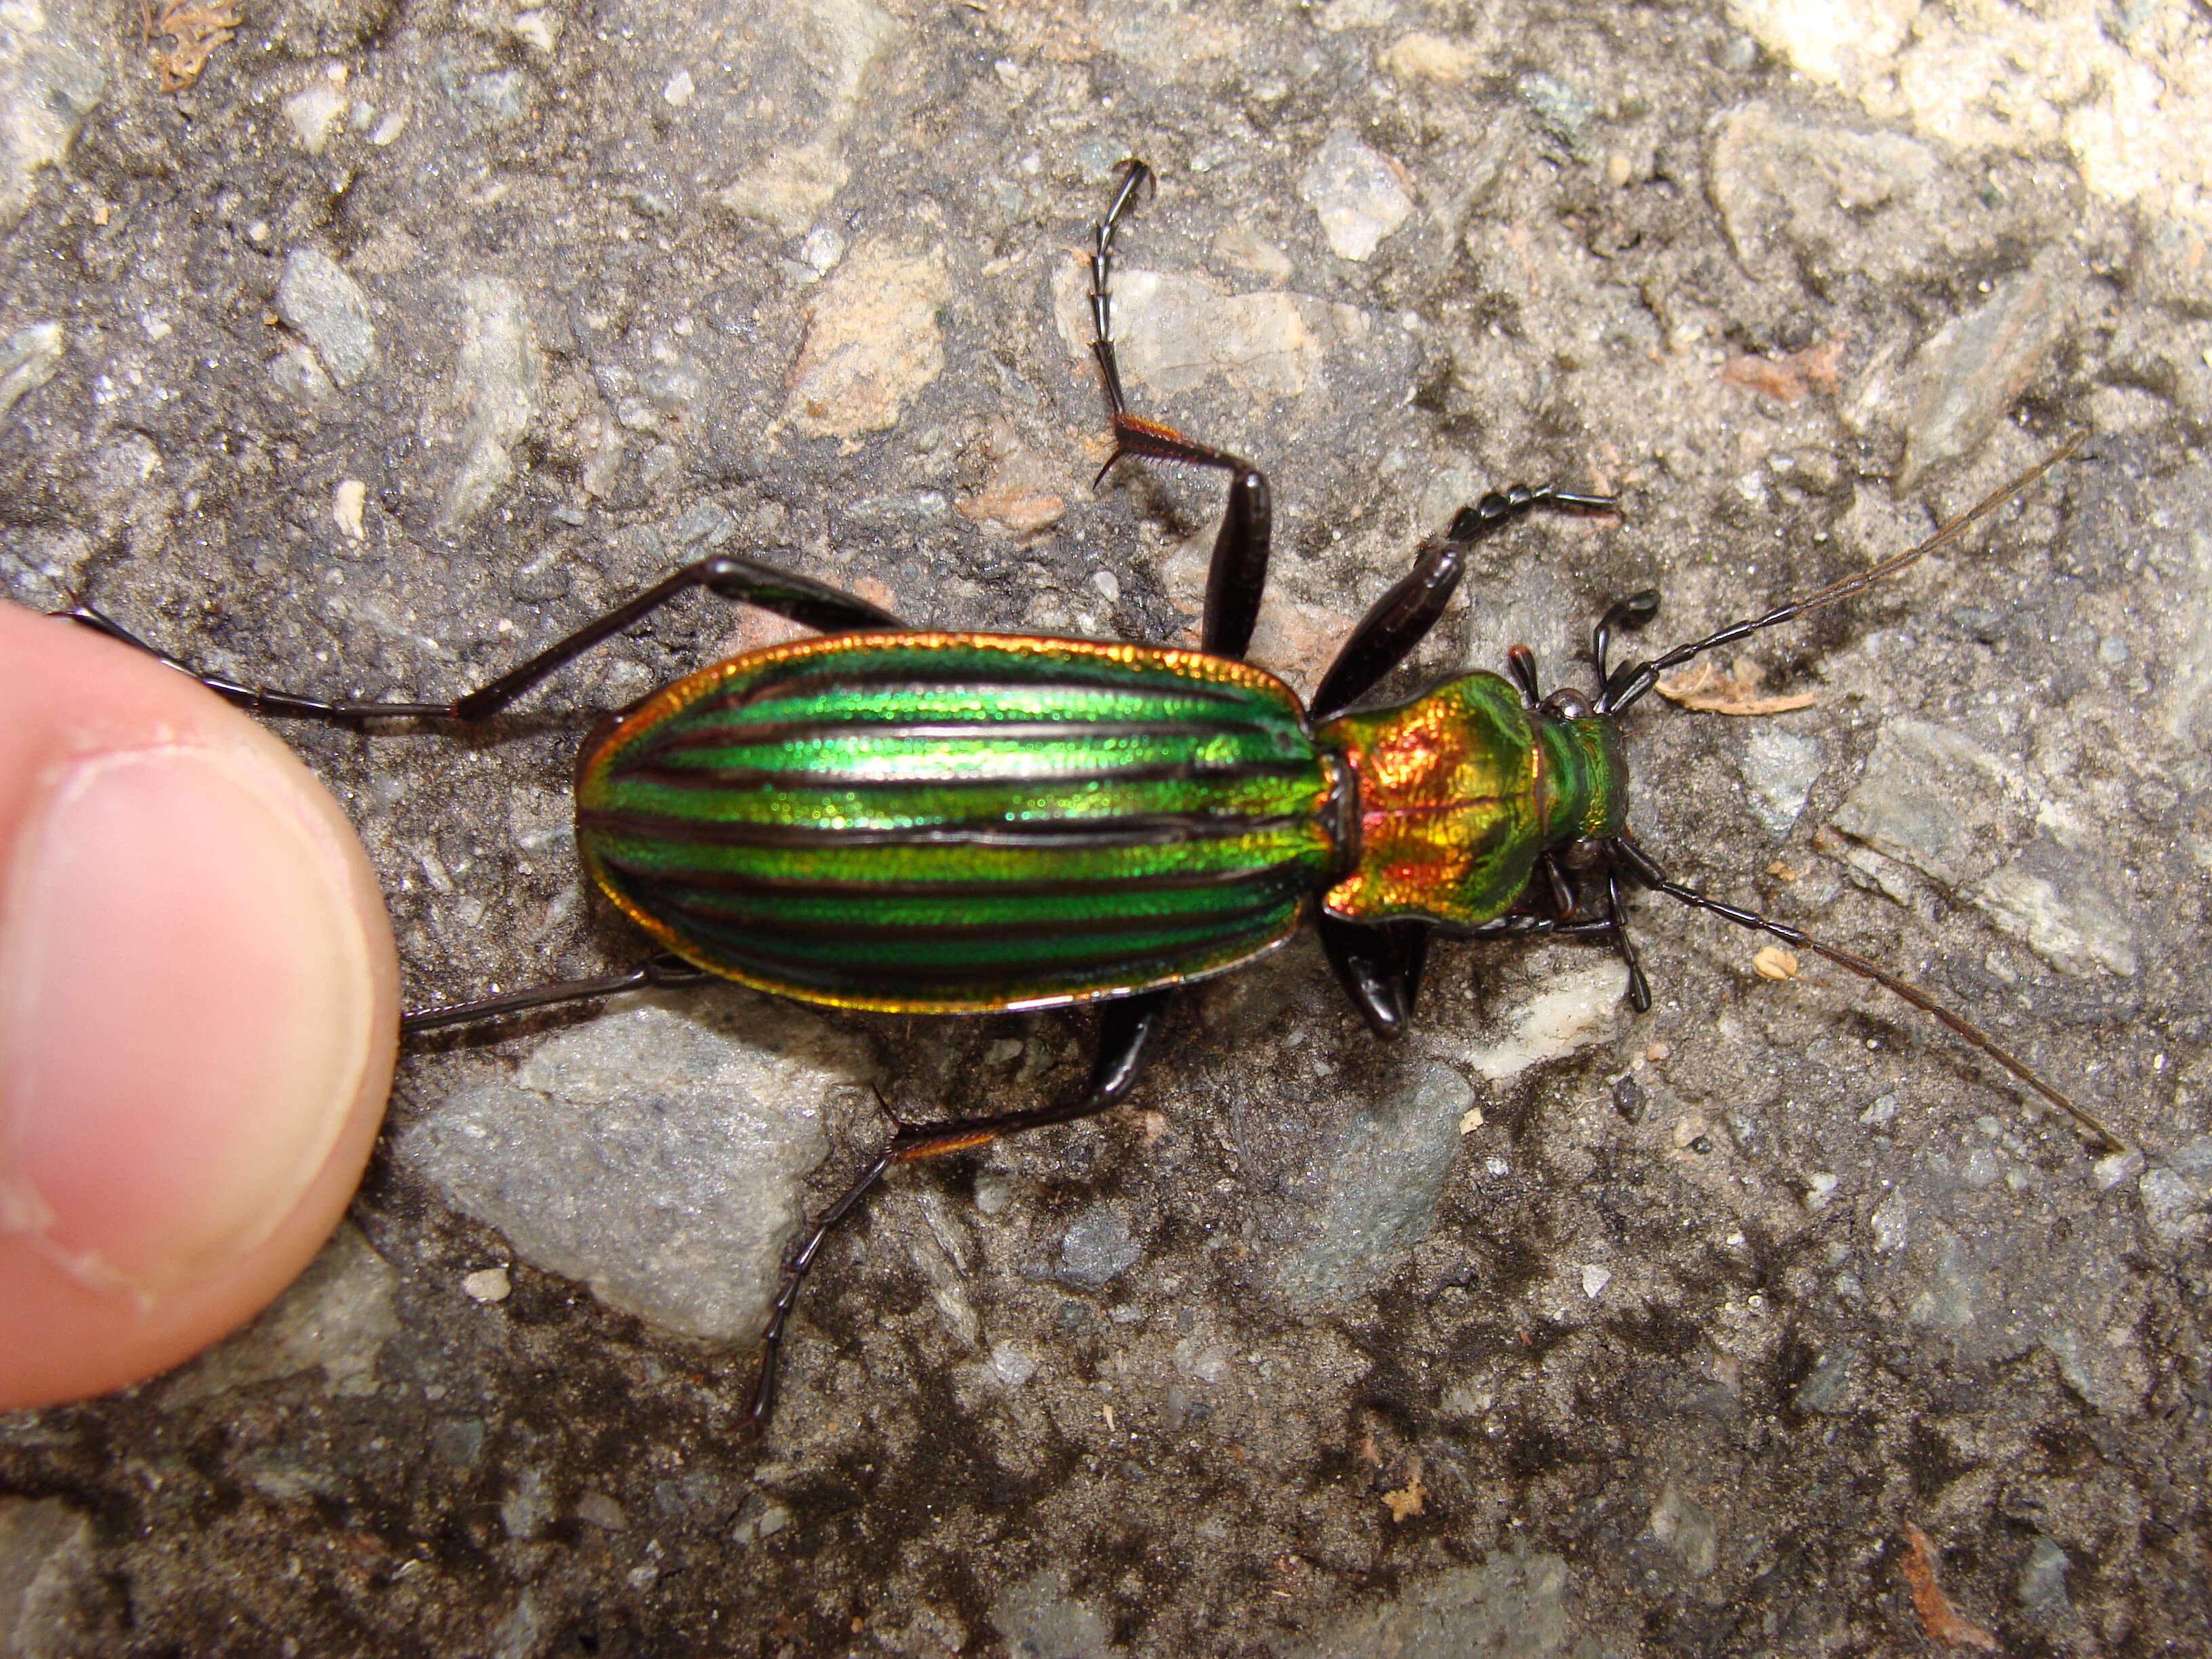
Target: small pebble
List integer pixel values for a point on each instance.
(487, 1284)
(346, 504)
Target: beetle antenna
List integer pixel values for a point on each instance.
(1633, 680)
(1651, 876)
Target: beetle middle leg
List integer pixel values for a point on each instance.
(1238, 573)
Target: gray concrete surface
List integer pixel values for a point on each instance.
(418, 331)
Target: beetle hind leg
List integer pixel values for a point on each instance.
(1126, 1029)
(664, 972)
(804, 600)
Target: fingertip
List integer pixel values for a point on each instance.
(198, 998)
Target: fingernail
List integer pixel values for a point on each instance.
(185, 1003)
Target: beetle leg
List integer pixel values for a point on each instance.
(1522, 662)
(1392, 626)
(794, 1275)
(664, 972)
(1126, 1028)
(1529, 924)
(816, 605)
(1398, 621)
(1136, 178)
(1379, 965)
(1563, 896)
(1639, 988)
(1239, 572)
(1412, 937)
(1632, 612)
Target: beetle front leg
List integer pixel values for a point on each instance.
(1398, 621)
(1126, 1028)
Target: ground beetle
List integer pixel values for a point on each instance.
(954, 822)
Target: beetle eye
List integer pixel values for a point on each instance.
(1568, 704)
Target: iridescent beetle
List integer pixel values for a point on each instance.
(921, 821)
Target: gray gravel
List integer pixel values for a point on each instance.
(416, 333)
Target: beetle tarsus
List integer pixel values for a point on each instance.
(1136, 178)
(794, 1275)
(1632, 612)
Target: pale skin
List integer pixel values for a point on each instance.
(198, 1014)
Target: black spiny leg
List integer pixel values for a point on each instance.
(1632, 612)
(1413, 942)
(664, 972)
(1239, 571)
(1125, 1027)
(1612, 926)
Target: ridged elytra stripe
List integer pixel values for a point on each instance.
(768, 733)
(674, 899)
(758, 777)
(820, 819)
(916, 677)
(816, 968)
(942, 891)
(1153, 830)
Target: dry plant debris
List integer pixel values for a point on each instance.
(1786, 378)
(195, 28)
(1937, 1616)
(1773, 962)
(1736, 691)
(1406, 1501)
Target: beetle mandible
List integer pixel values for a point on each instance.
(926, 822)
